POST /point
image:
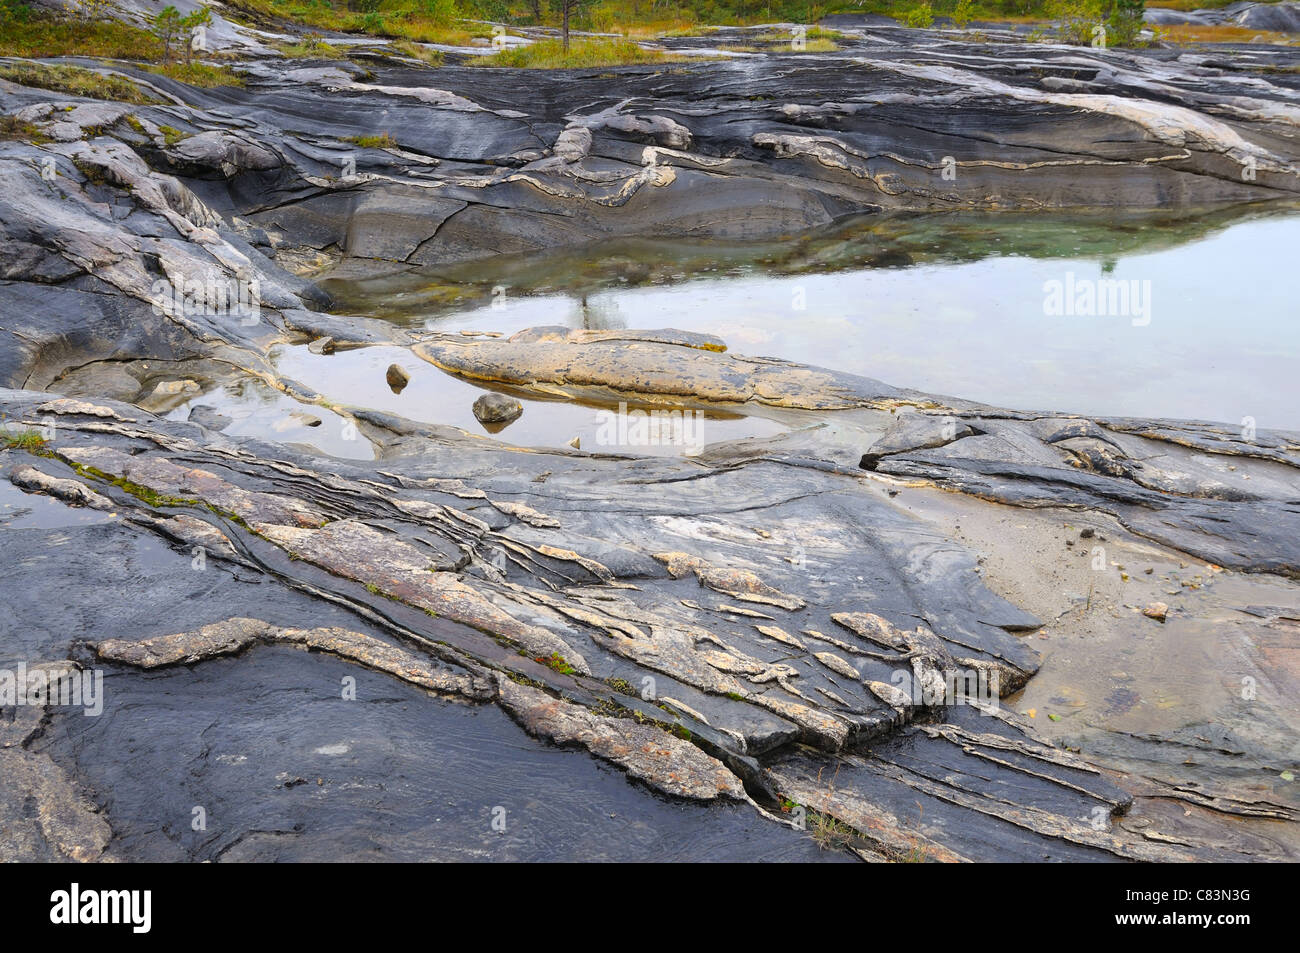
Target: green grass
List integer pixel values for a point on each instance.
(75, 81)
(310, 47)
(828, 832)
(46, 36)
(1187, 5)
(199, 74)
(20, 130)
(393, 18)
(582, 54)
(381, 141)
(417, 52)
(29, 440)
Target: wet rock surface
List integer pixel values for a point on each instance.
(766, 639)
(760, 656)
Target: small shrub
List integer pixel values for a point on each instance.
(1077, 21)
(438, 12)
(1125, 22)
(919, 17)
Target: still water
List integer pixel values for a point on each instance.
(950, 304)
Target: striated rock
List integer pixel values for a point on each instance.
(236, 635)
(668, 763)
(70, 491)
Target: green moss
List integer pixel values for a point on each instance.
(143, 493)
(621, 685)
(172, 136)
(525, 680)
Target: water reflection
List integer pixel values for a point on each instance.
(952, 304)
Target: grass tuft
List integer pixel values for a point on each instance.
(76, 81)
(199, 74)
(29, 440)
(310, 47)
(381, 141)
(582, 54)
(417, 52)
(14, 129)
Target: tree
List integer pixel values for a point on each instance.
(1126, 21)
(166, 25)
(202, 17)
(567, 8)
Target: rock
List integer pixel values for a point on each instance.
(64, 405)
(169, 394)
(496, 408)
(1157, 611)
(397, 378)
(209, 417)
(321, 346)
(70, 491)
